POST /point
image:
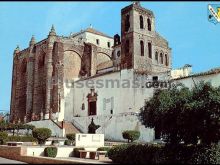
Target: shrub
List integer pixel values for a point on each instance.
(131, 135)
(67, 142)
(22, 138)
(104, 149)
(76, 152)
(71, 137)
(41, 134)
(50, 152)
(3, 137)
(160, 154)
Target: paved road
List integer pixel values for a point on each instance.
(8, 161)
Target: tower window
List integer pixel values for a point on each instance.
(149, 24)
(155, 78)
(127, 23)
(156, 56)
(127, 46)
(149, 50)
(161, 58)
(109, 44)
(141, 22)
(97, 41)
(142, 47)
(118, 53)
(166, 60)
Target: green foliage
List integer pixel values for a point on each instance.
(3, 137)
(22, 138)
(50, 152)
(164, 154)
(92, 127)
(76, 152)
(41, 134)
(131, 135)
(67, 142)
(185, 115)
(71, 137)
(104, 149)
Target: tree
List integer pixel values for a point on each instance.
(131, 135)
(183, 115)
(41, 134)
(3, 137)
(71, 137)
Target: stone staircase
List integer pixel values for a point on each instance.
(69, 127)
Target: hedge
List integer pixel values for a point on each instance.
(76, 152)
(22, 138)
(50, 152)
(131, 135)
(3, 137)
(160, 154)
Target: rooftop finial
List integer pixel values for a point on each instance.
(90, 25)
(52, 31)
(136, 3)
(32, 42)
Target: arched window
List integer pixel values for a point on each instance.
(149, 50)
(156, 56)
(166, 60)
(141, 22)
(41, 61)
(24, 66)
(127, 23)
(127, 47)
(142, 47)
(118, 53)
(149, 24)
(161, 58)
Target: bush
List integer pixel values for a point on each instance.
(160, 154)
(50, 152)
(76, 152)
(3, 137)
(22, 138)
(131, 135)
(41, 134)
(71, 137)
(67, 142)
(104, 149)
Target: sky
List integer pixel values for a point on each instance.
(193, 39)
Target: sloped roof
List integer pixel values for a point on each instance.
(91, 30)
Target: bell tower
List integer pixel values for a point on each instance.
(140, 40)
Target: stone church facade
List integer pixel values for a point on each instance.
(46, 74)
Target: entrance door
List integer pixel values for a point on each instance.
(92, 108)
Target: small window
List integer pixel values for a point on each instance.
(166, 60)
(161, 58)
(155, 78)
(109, 44)
(149, 50)
(156, 56)
(97, 41)
(127, 23)
(142, 48)
(141, 22)
(149, 24)
(118, 53)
